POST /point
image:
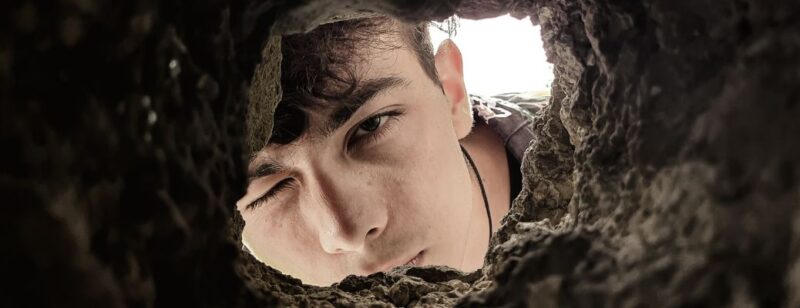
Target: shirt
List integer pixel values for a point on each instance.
(511, 116)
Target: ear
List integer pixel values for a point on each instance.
(450, 68)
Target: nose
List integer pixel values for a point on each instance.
(348, 216)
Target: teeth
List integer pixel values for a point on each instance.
(413, 261)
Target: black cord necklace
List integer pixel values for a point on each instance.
(480, 183)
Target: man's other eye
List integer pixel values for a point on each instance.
(286, 183)
(372, 128)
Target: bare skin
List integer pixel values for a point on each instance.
(388, 187)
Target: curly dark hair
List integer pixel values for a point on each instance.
(319, 67)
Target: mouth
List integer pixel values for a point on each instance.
(416, 260)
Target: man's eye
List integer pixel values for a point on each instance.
(370, 125)
(373, 128)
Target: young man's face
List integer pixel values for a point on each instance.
(386, 186)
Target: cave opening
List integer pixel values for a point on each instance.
(530, 79)
(512, 78)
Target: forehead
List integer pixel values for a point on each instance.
(316, 79)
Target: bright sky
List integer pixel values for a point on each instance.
(501, 54)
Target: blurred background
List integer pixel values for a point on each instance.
(501, 54)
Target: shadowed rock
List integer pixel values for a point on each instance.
(664, 169)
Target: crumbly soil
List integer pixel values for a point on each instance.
(665, 169)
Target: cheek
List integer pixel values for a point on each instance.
(279, 239)
(432, 186)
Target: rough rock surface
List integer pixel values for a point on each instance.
(666, 168)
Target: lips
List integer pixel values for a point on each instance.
(416, 260)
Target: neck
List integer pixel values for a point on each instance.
(489, 155)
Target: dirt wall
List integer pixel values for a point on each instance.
(664, 170)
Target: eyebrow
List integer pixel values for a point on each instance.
(264, 167)
(370, 89)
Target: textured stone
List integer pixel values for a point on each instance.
(664, 171)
